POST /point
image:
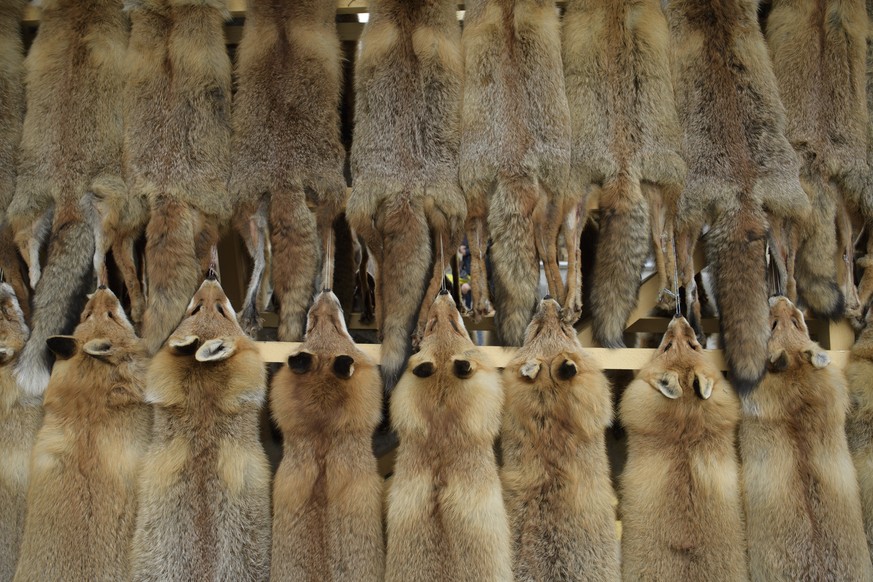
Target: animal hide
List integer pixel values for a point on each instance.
(859, 421)
(803, 514)
(287, 143)
(626, 142)
(515, 152)
(739, 166)
(72, 138)
(555, 474)
(681, 510)
(406, 201)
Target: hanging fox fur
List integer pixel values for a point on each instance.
(626, 141)
(739, 165)
(72, 138)
(82, 499)
(20, 419)
(819, 56)
(327, 495)
(515, 153)
(859, 422)
(204, 509)
(803, 511)
(11, 118)
(445, 518)
(681, 504)
(178, 146)
(406, 201)
(555, 475)
(287, 141)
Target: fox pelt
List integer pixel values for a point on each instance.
(11, 118)
(406, 200)
(515, 153)
(626, 142)
(82, 499)
(859, 421)
(819, 54)
(177, 146)
(327, 494)
(72, 137)
(445, 514)
(555, 475)
(20, 419)
(803, 512)
(287, 141)
(681, 504)
(739, 165)
(204, 509)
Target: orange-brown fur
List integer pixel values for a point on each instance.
(327, 495)
(205, 489)
(801, 495)
(859, 422)
(555, 475)
(681, 503)
(82, 499)
(20, 419)
(446, 519)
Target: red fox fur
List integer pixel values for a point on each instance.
(72, 137)
(204, 508)
(859, 422)
(327, 496)
(20, 419)
(803, 511)
(287, 140)
(681, 504)
(82, 499)
(446, 519)
(555, 475)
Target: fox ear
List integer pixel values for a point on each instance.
(99, 348)
(818, 358)
(344, 366)
(567, 370)
(184, 346)
(530, 370)
(778, 362)
(463, 369)
(216, 350)
(703, 386)
(63, 346)
(6, 354)
(300, 363)
(668, 385)
(424, 370)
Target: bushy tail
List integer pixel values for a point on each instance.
(815, 268)
(624, 243)
(294, 239)
(173, 269)
(403, 274)
(59, 298)
(515, 265)
(736, 251)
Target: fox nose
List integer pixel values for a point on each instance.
(444, 292)
(211, 275)
(326, 290)
(547, 297)
(101, 287)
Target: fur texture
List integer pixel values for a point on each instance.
(681, 505)
(819, 57)
(82, 499)
(287, 140)
(205, 490)
(446, 519)
(802, 504)
(20, 419)
(859, 422)
(625, 133)
(72, 136)
(555, 474)
(406, 200)
(739, 164)
(515, 149)
(178, 145)
(327, 496)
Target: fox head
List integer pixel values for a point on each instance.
(13, 329)
(679, 353)
(104, 332)
(790, 345)
(551, 346)
(445, 343)
(209, 331)
(327, 343)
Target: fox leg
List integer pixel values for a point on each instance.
(256, 241)
(846, 262)
(124, 254)
(686, 241)
(546, 241)
(573, 225)
(367, 298)
(477, 240)
(442, 242)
